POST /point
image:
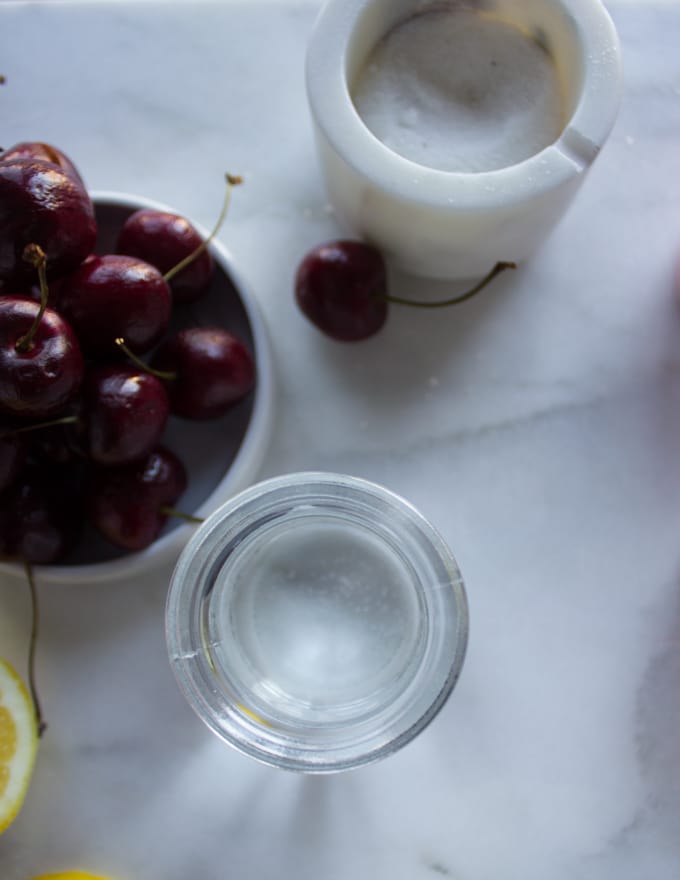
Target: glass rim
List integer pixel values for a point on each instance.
(354, 744)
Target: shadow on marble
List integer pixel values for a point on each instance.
(658, 731)
(393, 368)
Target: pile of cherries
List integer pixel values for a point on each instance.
(89, 369)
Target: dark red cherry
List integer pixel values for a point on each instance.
(41, 515)
(341, 287)
(41, 204)
(45, 153)
(55, 286)
(125, 413)
(128, 504)
(208, 371)
(38, 378)
(164, 239)
(116, 296)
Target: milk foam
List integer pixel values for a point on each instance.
(459, 90)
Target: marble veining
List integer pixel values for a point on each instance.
(538, 427)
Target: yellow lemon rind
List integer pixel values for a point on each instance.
(16, 699)
(70, 875)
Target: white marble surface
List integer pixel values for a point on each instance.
(537, 426)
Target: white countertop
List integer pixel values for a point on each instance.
(538, 427)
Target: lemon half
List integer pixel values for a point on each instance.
(18, 743)
(70, 875)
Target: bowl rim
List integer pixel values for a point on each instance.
(345, 133)
(245, 465)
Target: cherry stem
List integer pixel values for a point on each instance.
(39, 720)
(159, 374)
(64, 420)
(180, 514)
(232, 181)
(437, 304)
(35, 255)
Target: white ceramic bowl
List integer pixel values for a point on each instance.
(222, 456)
(457, 224)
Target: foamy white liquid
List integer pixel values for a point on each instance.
(460, 91)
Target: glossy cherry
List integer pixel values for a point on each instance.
(116, 296)
(206, 371)
(45, 153)
(41, 204)
(125, 413)
(38, 376)
(130, 504)
(341, 287)
(164, 239)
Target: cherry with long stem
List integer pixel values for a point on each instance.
(232, 181)
(172, 376)
(342, 287)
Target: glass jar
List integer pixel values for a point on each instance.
(316, 622)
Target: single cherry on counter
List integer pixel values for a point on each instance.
(341, 287)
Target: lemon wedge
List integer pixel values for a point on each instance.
(70, 875)
(18, 743)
